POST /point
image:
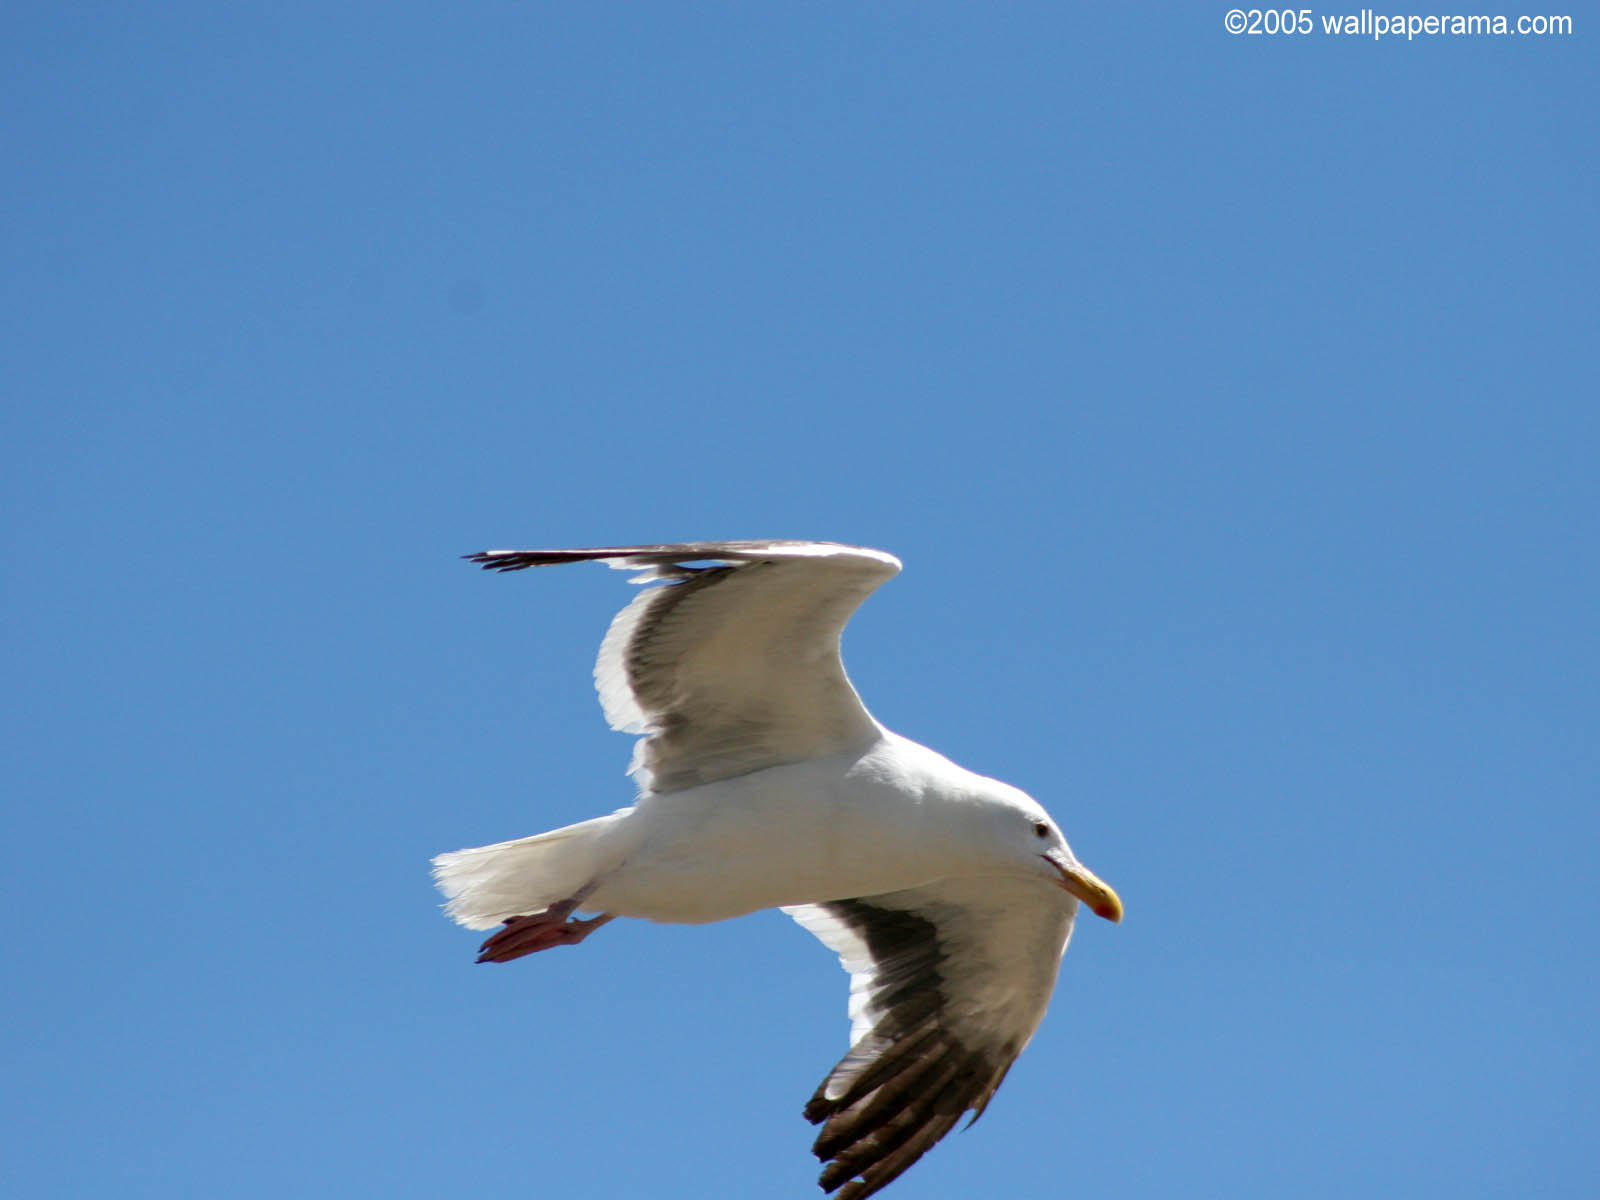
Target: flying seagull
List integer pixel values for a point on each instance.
(764, 783)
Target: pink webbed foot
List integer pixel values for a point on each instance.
(541, 931)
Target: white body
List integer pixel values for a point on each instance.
(794, 834)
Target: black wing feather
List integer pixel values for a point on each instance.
(906, 1083)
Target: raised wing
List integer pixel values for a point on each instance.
(733, 665)
(947, 984)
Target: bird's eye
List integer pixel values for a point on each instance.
(1040, 828)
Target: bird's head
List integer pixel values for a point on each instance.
(1033, 839)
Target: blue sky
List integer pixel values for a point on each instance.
(1231, 401)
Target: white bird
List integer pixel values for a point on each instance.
(764, 783)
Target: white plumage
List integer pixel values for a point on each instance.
(763, 783)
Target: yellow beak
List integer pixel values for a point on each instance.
(1083, 883)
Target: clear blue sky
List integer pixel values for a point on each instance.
(1231, 401)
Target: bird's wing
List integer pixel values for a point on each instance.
(732, 665)
(947, 984)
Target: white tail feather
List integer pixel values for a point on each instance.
(487, 884)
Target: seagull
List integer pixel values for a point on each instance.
(763, 782)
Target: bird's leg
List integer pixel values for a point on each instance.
(541, 931)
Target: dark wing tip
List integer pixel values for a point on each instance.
(502, 560)
(872, 1135)
(662, 555)
(641, 556)
(517, 560)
